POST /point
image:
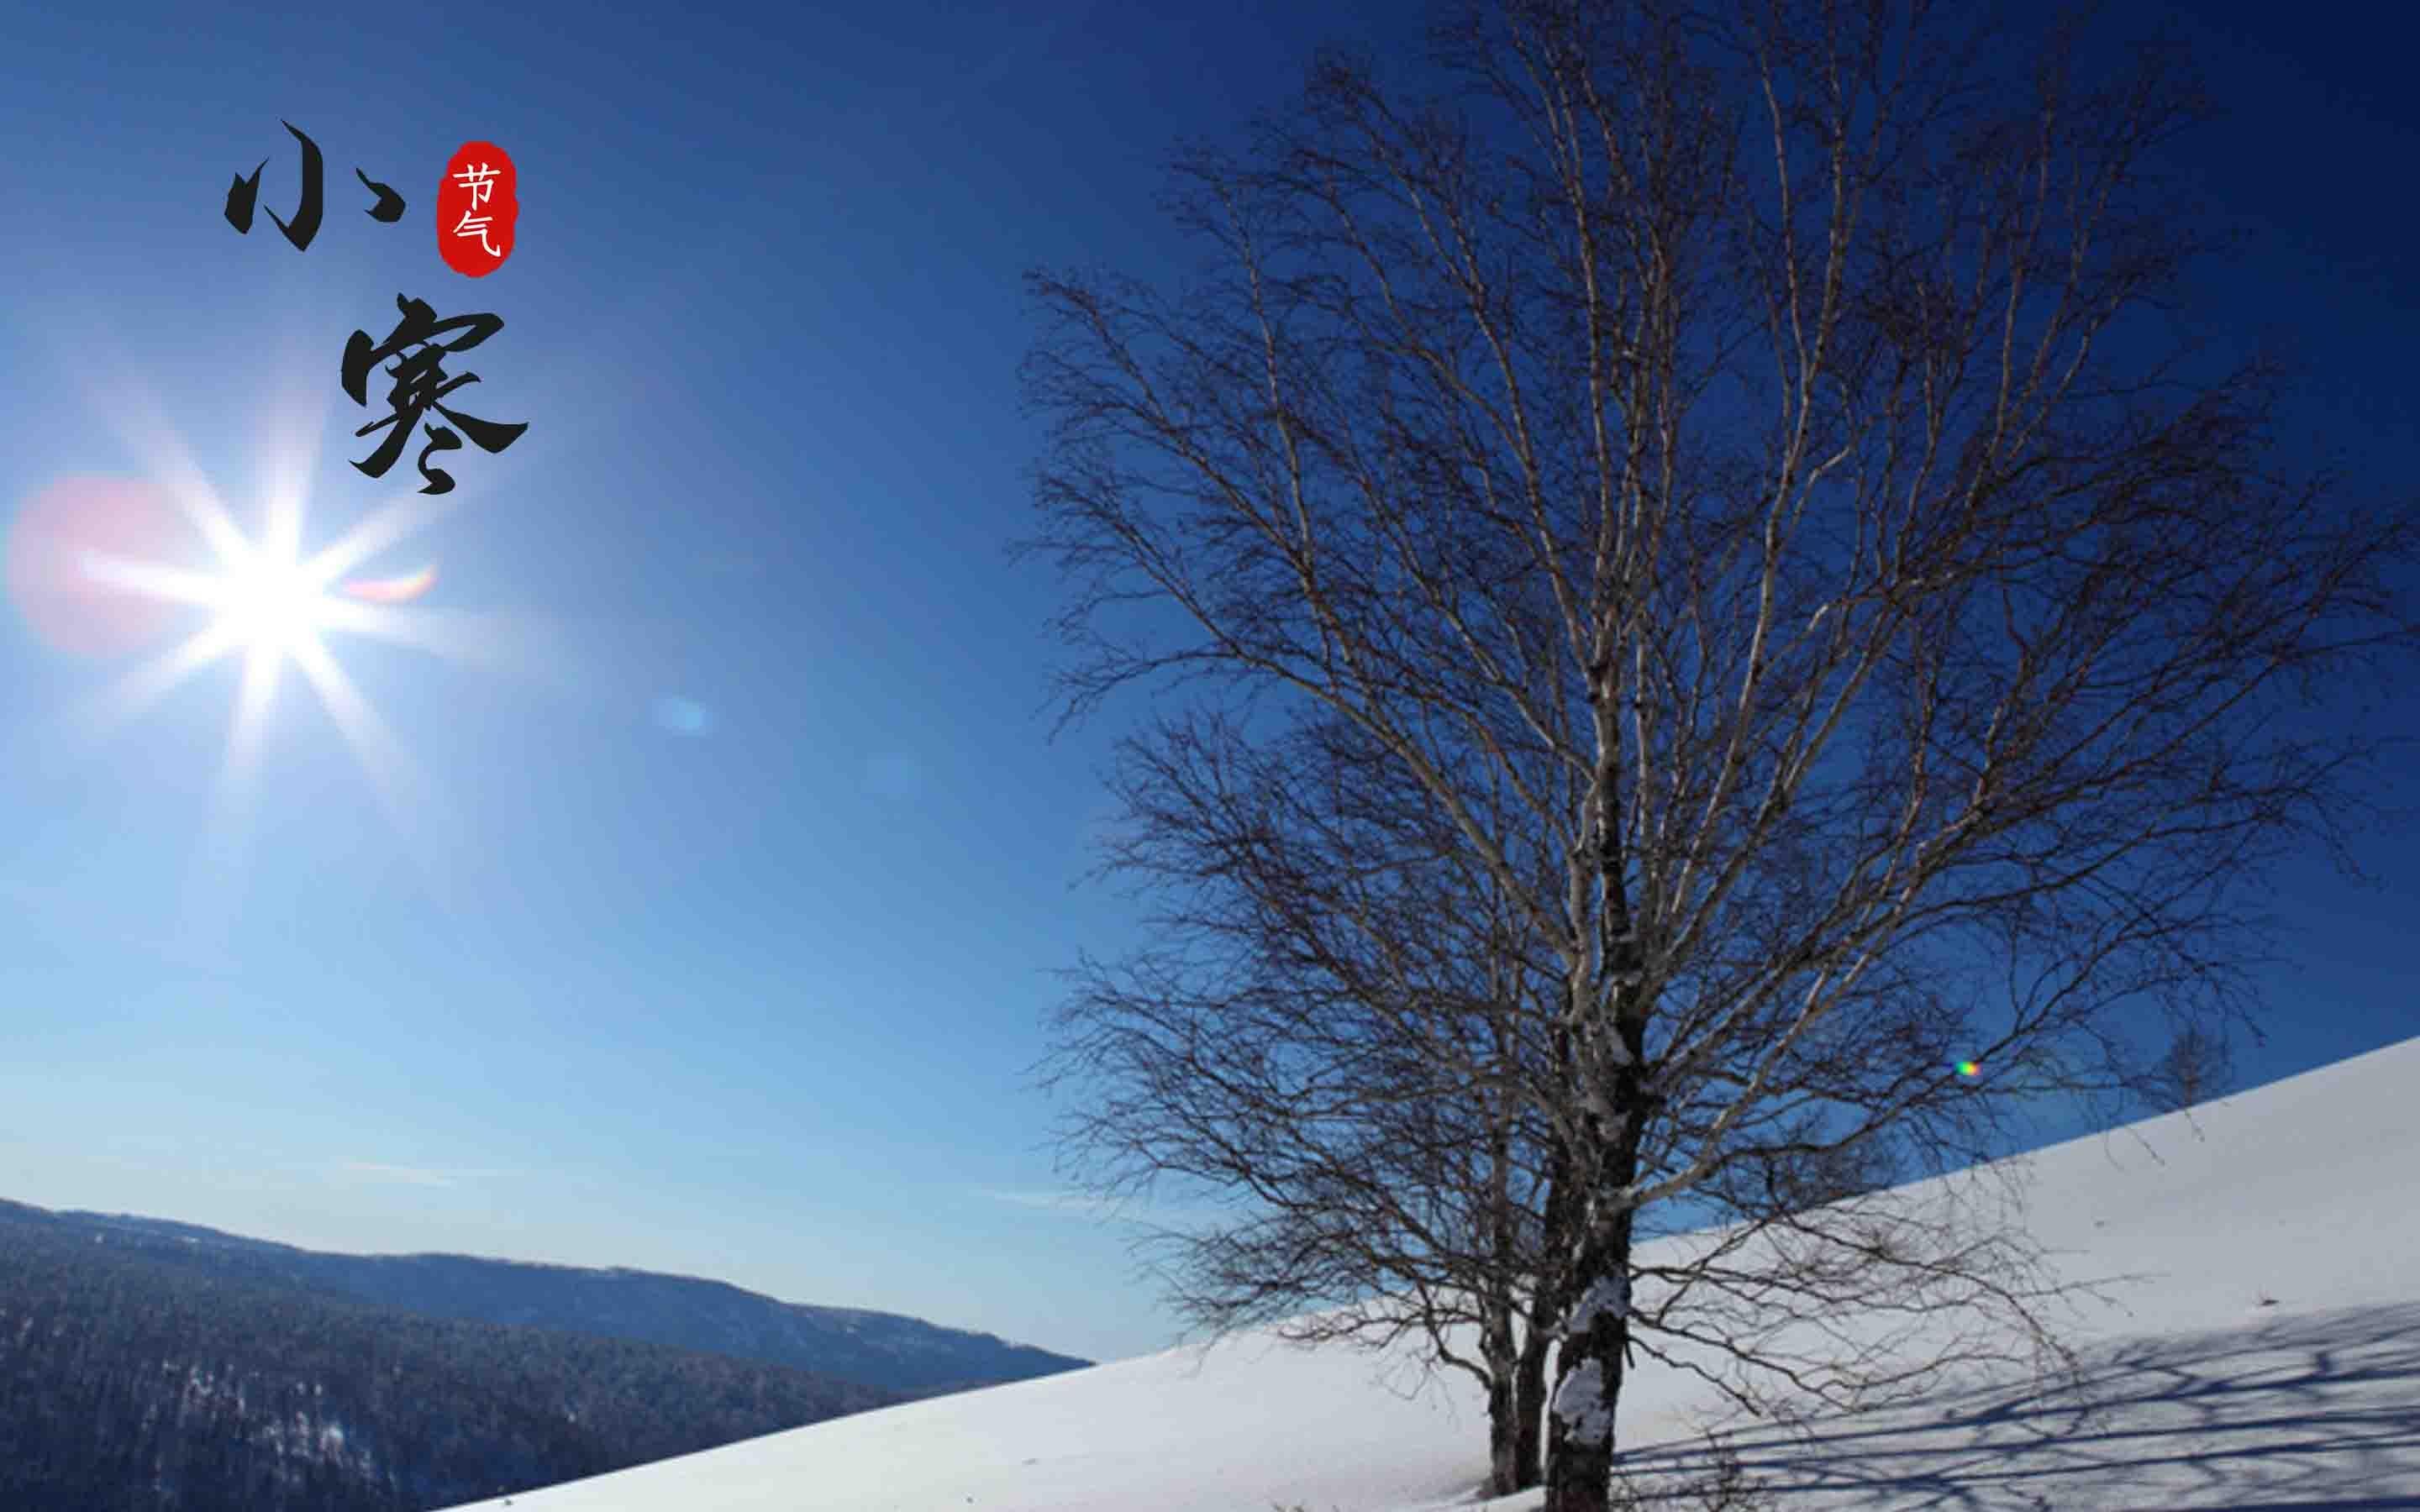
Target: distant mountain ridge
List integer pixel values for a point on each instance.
(901, 1355)
(134, 1381)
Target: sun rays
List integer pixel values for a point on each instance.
(271, 583)
(263, 602)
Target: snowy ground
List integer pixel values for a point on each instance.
(2263, 1351)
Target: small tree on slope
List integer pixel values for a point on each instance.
(2196, 1067)
(1730, 467)
(1341, 1017)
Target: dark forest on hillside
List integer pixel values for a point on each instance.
(903, 1354)
(127, 1385)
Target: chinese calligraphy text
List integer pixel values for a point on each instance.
(419, 383)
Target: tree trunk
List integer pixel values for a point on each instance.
(1529, 1406)
(1547, 1303)
(1588, 1377)
(1596, 1330)
(1496, 1350)
(1504, 1425)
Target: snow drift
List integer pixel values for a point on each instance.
(2260, 1345)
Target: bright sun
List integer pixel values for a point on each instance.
(269, 606)
(112, 550)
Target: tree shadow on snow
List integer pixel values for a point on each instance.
(2317, 1412)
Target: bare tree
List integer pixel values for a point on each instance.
(1738, 469)
(1341, 1019)
(2196, 1067)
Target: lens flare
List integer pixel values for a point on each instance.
(1970, 1069)
(50, 549)
(398, 590)
(85, 557)
(683, 717)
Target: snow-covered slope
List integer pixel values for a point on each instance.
(2266, 1351)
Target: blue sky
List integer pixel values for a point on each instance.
(720, 940)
